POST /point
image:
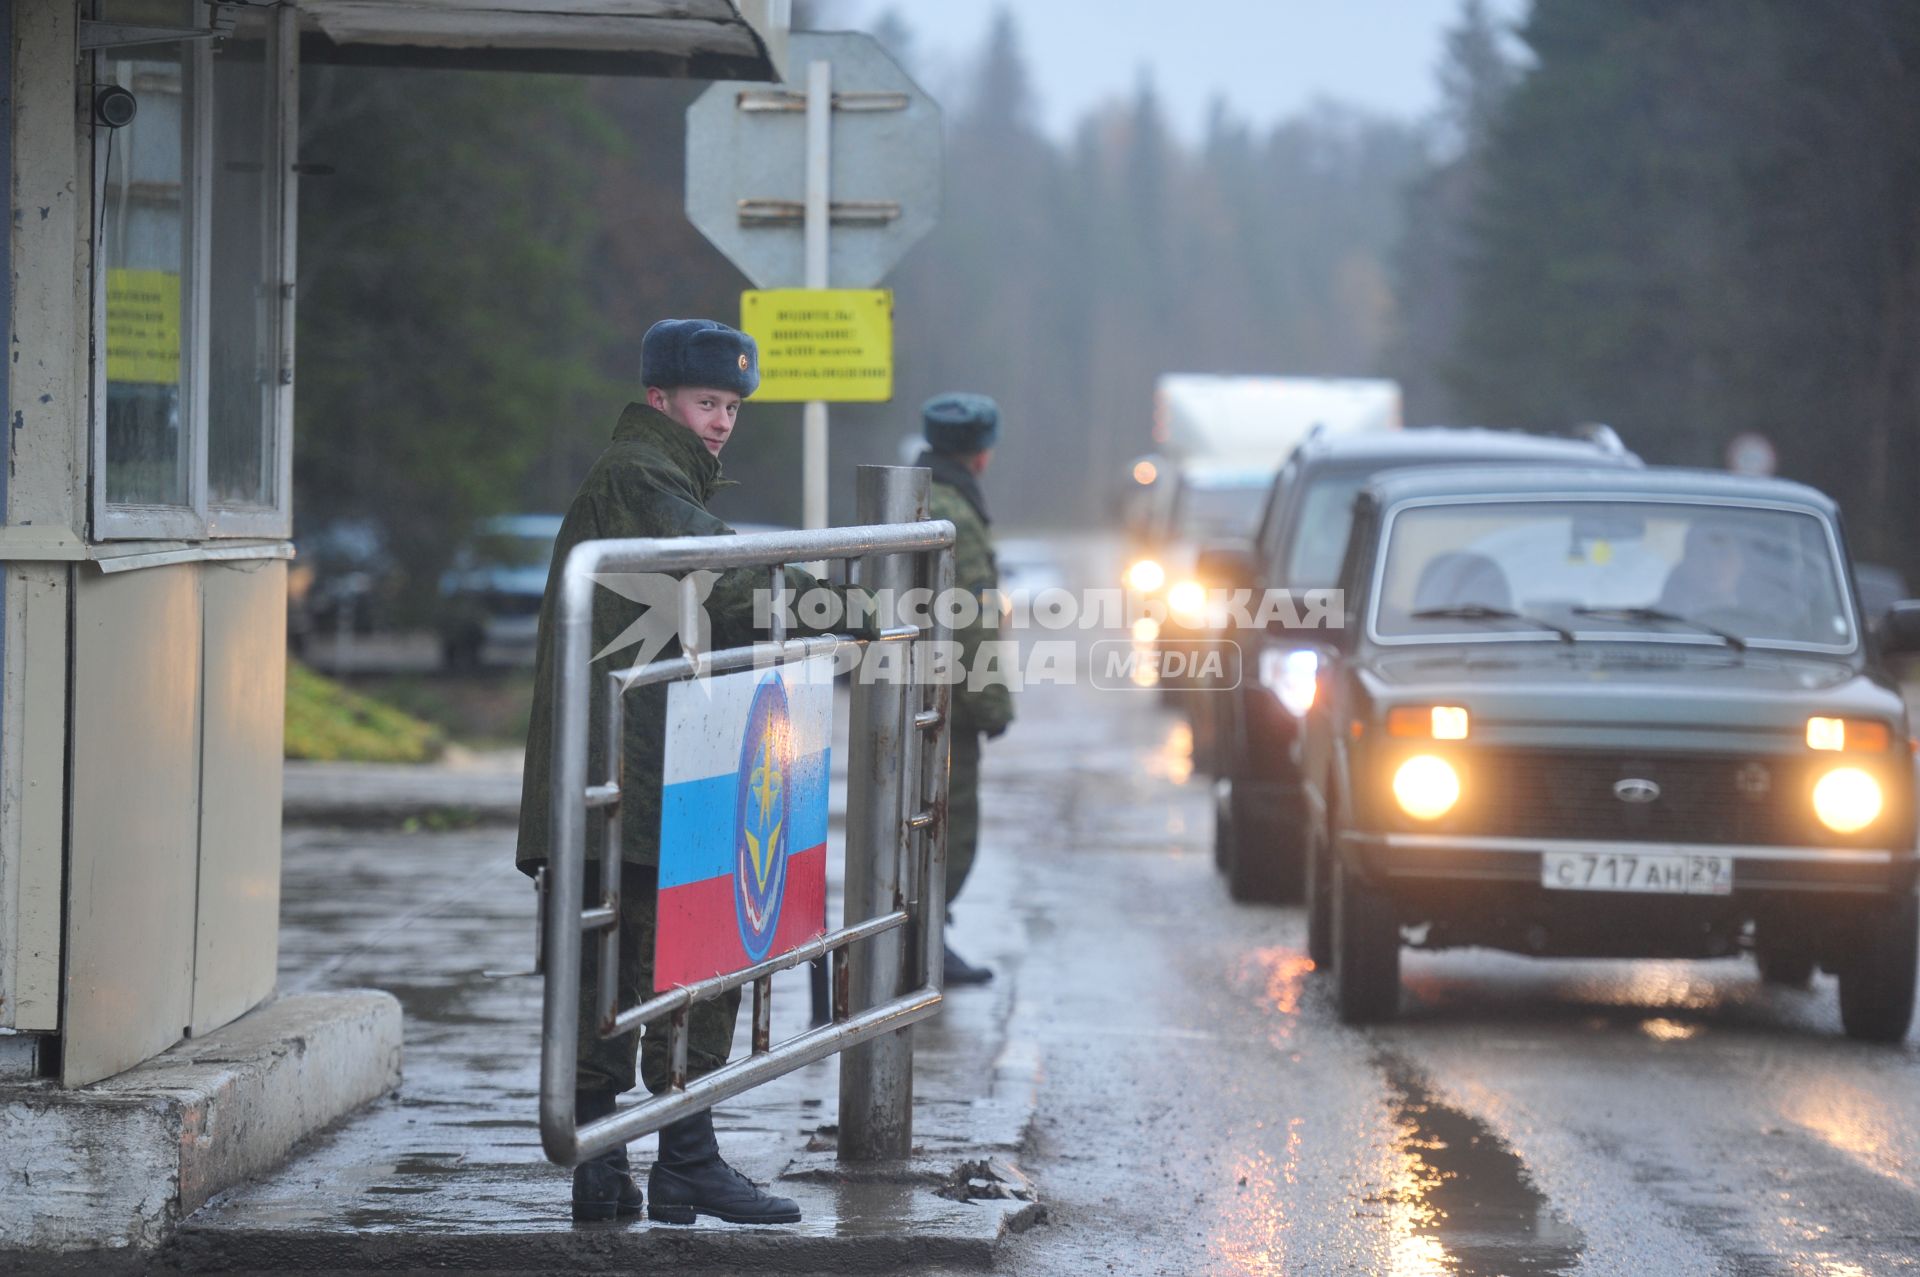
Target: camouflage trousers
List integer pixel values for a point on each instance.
(963, 808)
(607, 1064)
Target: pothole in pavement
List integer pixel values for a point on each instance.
(1460, 1198)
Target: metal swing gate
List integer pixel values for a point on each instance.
(898, 739)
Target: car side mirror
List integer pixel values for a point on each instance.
(1227, 566)
(1899, 629)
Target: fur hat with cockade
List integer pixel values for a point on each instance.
(699, 352)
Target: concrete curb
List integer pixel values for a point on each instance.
(385, 796)
(388, 814)
(115, 1167)
(704, 1249)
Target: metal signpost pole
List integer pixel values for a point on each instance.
(818, 227)
(876, 1080)
(761, 165)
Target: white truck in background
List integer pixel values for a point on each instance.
(1254, 422)
(1219, 440)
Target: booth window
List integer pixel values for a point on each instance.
(194, 396)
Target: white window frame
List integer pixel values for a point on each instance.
(276, 518)
(197, 520)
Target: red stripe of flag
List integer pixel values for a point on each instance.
(699, 934)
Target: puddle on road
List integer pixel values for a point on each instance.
(1461, 1202)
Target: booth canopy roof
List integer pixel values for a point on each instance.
(698, 39)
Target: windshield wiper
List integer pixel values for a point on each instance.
(1481, 612)
(1733, 641)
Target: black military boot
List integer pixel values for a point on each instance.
(603, 1186)
(690, 1178)
(957, 971)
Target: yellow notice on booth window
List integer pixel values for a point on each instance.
(143, 326)
(832, 344)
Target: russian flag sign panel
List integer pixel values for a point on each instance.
(743, 820)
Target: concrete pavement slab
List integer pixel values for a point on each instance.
(449, 1171)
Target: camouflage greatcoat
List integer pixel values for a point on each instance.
(956, 496)
(653, 480)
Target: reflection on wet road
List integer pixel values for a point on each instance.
(1461, 1201)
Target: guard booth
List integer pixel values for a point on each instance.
(145, 504)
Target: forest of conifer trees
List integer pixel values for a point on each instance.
(1687, 219)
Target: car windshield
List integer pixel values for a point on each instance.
(1326, 521)
(1691, 572)
(1217, 510)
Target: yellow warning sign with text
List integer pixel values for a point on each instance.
(143, 326)
(831, 344)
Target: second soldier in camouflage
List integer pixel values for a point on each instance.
(961, 431)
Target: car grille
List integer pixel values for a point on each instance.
(1702, 798)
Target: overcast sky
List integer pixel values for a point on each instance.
(1267, 58)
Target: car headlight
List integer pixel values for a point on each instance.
(1847, 800)
(1426, 787)
(1293, 677)
(1187, 604)
(1146, 576)
(1847, 734)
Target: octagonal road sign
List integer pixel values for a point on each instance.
(747, 171)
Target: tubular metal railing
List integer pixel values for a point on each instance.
(895, 872)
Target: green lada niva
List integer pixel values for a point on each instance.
(1610, 713)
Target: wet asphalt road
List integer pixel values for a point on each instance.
(1202, 1111)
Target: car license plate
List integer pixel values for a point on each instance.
(1656, 872)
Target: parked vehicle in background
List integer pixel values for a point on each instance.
(343, 581)
(1610, 713)
(1248, 736)
(490, 597)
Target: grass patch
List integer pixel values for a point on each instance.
(486, 710)
(330, 723)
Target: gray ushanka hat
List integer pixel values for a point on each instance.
(960, 423)
(699, 352)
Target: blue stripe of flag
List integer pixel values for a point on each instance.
(697, 829)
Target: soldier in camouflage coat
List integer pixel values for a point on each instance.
(653, 480)
(961, 430)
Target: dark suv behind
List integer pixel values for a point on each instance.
(1252, 731)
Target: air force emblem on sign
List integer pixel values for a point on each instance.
(761, 817)
(744, 813)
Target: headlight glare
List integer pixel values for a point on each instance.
(1847, 800)
(1426, 787)
(1293, 678)
(1187, 603)
(1146, 576)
